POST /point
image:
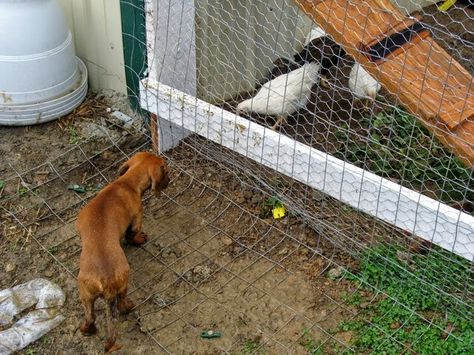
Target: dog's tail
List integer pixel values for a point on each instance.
(112, 320)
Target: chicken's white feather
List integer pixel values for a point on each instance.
(316, 32)
(285, 94)
(362, 84)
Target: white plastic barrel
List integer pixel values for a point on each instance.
(41, 78)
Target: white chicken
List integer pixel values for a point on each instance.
(363, 86)
(283, 95)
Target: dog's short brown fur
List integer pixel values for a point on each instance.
(115, 212)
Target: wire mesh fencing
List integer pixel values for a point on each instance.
(242, 243)
(305, 95)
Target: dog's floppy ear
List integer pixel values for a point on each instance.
(159, 179)
(123, 168)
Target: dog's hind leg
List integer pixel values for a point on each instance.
(124, 305)
(134, 235)
(112, 320)
(88, 325)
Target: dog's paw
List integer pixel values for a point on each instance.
(88, 328)
(111, 347)
(139, 239)
(125, 306)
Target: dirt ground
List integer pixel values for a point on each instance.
(453, 31)
(212, 261)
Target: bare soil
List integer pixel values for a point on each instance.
(453, 30)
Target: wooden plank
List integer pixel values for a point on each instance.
(406, 209)
(155, 135)
(168, 38)
(459, 112)
(426, 79)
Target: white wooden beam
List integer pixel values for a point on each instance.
(406, 209)
(171, 55)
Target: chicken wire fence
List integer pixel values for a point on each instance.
(353, 263)
(298, 95)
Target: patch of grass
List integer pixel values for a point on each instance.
(74, 137)
(252, 346)
(396, 145)
(429, 309)
(53, 249)
(22, 191)
(313, 346)
(354, 299)
(46, 340)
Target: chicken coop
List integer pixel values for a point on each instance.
(322, 191)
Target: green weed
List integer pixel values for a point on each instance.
(46, 340)
(268, 205)
(396, 145)
(252, 346)
(74, 137)
(313, 346)
(354, 299)
(429, 309)
(23, 191)
(53, 249)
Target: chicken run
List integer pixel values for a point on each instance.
(299, 88)
(240, 257)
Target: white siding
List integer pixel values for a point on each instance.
(97, 31)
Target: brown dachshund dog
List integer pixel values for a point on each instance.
(115, 212)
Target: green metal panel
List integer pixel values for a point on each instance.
(134, 46)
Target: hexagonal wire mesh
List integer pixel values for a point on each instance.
(326, 278)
